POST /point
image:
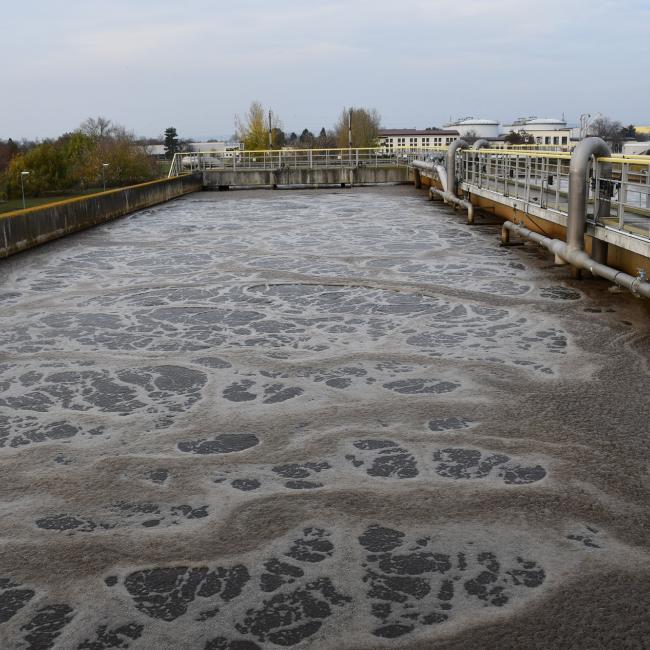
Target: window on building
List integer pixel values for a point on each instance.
(565, 140)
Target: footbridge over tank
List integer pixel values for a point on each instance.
(296, 167)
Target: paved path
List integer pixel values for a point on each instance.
(318, 420)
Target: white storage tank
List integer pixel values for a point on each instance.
(480, 127)
(545, 124)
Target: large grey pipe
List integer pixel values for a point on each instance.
(451, 164)
(578, 258)
(482, 143)
(579, 188)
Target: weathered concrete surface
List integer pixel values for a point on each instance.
(25, 229)
(318, 420)
(316, 176)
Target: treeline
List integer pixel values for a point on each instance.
(97, 152)
(253, 130)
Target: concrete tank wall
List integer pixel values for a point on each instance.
(362, 175)
(24, 229)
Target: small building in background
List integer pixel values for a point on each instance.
(636, 148)
(392, 139)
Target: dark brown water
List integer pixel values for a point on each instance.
(318, 420)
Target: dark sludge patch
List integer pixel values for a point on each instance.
(19, 431)
(279, 573)
(166, 593)
(414, 582)
(46, 625)
(64, 522)
(246, 484)
(117, 637)
(421, 386)
(304, 470)
(377, 539)
(313, 546)
(517, 475)
(457, 463)
(158, 476)
(13, 597)
(415, 563)
(388, 461)
(339, 382)
(286, 619)
(447, 424)
(188, 512)
(466, 463)
(488, 587)
(559, 293)
(393, 631)
(224, 443)
(586, 537)
(302, 485)
(374, 444)
(221, 643)
(239, 391)
(277, 393)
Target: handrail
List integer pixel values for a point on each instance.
(82, 197)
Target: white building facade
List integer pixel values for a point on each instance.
(392, 139)
(545, 131)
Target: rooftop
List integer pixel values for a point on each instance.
(385, 132)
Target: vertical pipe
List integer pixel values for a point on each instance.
(452, 179)
(579, 187)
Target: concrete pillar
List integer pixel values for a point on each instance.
(599, 250)
(417, 179)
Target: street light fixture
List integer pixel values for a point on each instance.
(22, 186)
(104, 166)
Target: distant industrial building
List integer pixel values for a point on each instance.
(546, 131)
(224, 149)
(391, 139)
(636, 149)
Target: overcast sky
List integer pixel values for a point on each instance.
(194, 64)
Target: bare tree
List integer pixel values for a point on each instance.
(470, 136)
(609, 130)
(98, 127)
(365, 127)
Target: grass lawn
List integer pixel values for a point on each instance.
(32, 202)
(17, 204)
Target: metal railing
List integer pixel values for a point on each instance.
(618, 188)
(295, 158)
(628, 191)
(533, 174)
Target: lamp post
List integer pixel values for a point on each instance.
(104, 166)
(350, 135)
(22, 186)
